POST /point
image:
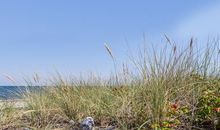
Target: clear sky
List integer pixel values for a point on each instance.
(45, 36)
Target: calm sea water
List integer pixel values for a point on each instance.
(15, 92)
(11, 92)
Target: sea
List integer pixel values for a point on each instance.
(15, 92)
(11, 92)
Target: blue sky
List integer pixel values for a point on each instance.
(45, 36)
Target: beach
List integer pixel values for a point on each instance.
(15, 103)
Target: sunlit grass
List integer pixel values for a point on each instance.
(132, 99)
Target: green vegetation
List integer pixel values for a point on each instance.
(169, 89)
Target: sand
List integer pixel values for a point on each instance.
(16, 103)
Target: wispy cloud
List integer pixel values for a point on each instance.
(201, 24)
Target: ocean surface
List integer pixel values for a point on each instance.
(15, 92)
(11, 92)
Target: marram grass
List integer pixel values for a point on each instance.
(164, 92)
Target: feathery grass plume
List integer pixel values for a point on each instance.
(36, 78)
(191, 46)
(191, 43)
(10, 78)
(173, 45)
(109, 50)
(174, 49)
(168, 39)
(125, 69)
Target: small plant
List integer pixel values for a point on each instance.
(209, 108)
(174, 111)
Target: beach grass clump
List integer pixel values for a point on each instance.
(169, 88)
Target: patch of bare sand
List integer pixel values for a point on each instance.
(16, 103)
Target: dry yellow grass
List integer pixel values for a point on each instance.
(170, 76)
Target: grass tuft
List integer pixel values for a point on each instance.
(163, 92)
